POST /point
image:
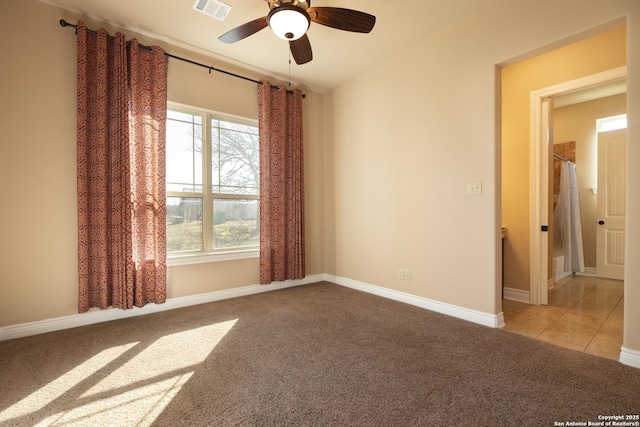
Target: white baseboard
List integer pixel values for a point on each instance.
(561, 276)
(517, 295)
(627, 356)
(485, 319)
(630, 357)
(98, 316)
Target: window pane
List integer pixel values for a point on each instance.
(611, 123)
(184, 224)
(238, 127)
(238, 159)
(235, 223)
(177, 115)
(184, 154)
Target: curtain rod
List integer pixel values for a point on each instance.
(64, 23)
(561, 158)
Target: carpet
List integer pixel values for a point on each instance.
(314, 355)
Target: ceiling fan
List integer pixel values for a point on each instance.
(290, 20)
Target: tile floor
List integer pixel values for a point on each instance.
(585, 313)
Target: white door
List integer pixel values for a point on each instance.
(611, 204)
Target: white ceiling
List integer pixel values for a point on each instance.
(337, 55)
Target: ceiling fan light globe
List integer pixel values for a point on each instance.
(289, 23)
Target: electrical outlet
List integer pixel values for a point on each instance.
(474, 188)
(404, 274)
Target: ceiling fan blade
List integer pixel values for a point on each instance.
(244, 30)
(342, 19)
(301, 50)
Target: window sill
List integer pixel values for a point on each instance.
(178, 260)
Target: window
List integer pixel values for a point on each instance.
(212, 182)
(611, 123)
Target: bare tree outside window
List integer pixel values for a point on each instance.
(235, 161)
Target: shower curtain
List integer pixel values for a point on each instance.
(566, 219)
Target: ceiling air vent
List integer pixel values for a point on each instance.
(213, 8)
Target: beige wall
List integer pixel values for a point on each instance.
(401, 142)
(405, 137)
(578, 123)
(38, 237)
(602, 52)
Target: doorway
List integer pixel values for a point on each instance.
(584, 313)
(541, 134)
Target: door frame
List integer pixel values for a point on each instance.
(539, 177)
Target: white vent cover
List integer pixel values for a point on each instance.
(213, 8)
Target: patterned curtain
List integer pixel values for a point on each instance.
(122, 98)
(282, 252)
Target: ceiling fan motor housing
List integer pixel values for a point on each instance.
(302, 4)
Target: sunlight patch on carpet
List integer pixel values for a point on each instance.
(64, 383)
(142, 380)
(137, 407)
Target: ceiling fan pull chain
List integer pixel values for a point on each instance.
(289, 67)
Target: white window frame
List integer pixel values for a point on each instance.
(209, 254)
